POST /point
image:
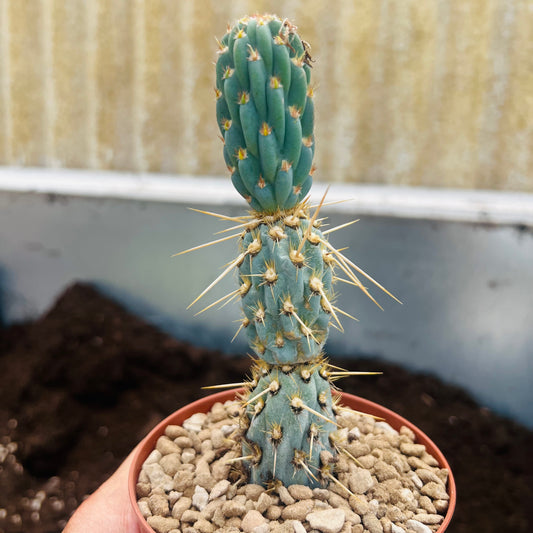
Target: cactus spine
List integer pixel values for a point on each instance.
(285, 264)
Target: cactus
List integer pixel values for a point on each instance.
(285, 263)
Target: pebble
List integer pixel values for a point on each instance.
(284, 527)
(217, 438)
(163, 524)
(406, 432)
(165, 445)
(406, 498)
(188, 455)
(426, 504)
(183, 442)
(273, 512)
(200, 498)
(220, 488)
(384, 471)
(195, 422)
(367, 461)
(218, 412)
(385, 427)
(170, 463)
(410, 448)
(263, 502)
(427, 475)
(396, 529)
(372, 523)
(158, 478)
(154, 457)
(233, 509)
(429, 459)
(327, 521)
(220, 470)
(143, 489)
(182, 505)
(204, 526)
(285, 496)
(190, 516)
(359, 505)
(358, 449)
(300, 492)
(320, 505)
(437, 491)
(354, 434)
(144, 507)
(416, 462)
(173, 431)
(205, 480)
(395, 514)
(441, 505)
(252, 492)
(298, 510)
(386, 524)
(351, 517)
(298, 527)
(228, 429)
(417, 482)
(159, 504)
(417, 526)
(251, 520)
(182, 480)
(210, 509)
(234, 521)
(173, 497)
(429, 518)
(204, 434)
(360, 480)
(321, 494)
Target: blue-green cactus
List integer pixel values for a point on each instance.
(285, 264)
(266, 115)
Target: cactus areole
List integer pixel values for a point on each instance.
(285, 263)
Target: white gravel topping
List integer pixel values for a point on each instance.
(188, 483)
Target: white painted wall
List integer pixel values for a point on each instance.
(461, 262)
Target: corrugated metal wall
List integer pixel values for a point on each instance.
(419, 92)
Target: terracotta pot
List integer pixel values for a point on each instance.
(204, 404)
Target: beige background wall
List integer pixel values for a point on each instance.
(419, 92)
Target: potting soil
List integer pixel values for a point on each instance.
(80, 386)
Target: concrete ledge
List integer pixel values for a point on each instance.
(458, 205)
(459, 260)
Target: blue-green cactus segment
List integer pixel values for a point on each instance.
(262, 82)
(288, 305)
(264, 44)
(291, 419)
(265, 114)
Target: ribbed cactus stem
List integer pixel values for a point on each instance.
(265, 112)
(266, 115)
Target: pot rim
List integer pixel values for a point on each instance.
(203, 405)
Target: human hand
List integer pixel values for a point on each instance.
(108, 510)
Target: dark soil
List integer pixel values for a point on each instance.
(83, 384)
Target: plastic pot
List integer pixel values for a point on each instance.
(203, 405)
